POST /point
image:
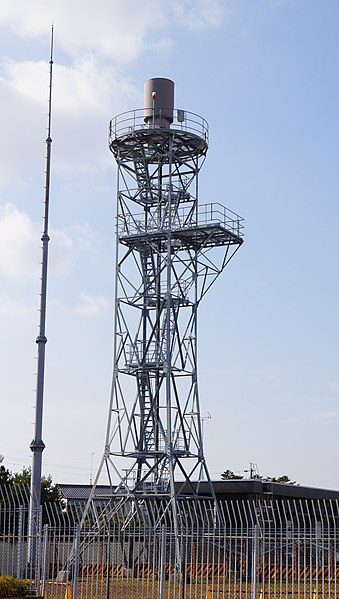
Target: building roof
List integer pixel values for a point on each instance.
(224, 489)
(82, 492)
(228, 489)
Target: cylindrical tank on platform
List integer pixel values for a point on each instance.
(159, 101)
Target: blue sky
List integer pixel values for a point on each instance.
(264, 73)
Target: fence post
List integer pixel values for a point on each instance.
(76, 562)
(36, 545)
(20, 543)
(108, 561)
(162, 562)
(254, 573)
(44, 560)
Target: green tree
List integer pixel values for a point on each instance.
(282, 479)
(22, 478)
(18, 484)
(49, 492)
(5, 475)
(229, 475)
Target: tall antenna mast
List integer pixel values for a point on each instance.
(37, 445)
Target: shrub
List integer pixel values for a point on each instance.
(13, 587)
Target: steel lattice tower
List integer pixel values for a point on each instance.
(169, 251)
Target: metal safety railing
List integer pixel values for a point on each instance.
(183, 217)
(132, 121)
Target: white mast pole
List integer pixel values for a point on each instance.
(37, 445)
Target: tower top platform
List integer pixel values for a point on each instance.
(188, 130)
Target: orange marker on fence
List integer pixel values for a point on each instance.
(68, 593)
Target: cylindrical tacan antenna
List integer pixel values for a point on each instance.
(37, 445)
(159, 101)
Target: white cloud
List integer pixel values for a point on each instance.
(325, 415)
(10, 307)
(120, 31)
(86, 95)
(66, 245)
(22, 125)
(333, 385)
(61, 253)
(199, 14)
(162, 46)
(92, 305)
(84, 87)
(89, 86)
(18, 245)
(29, 79)
(92, 46)
(86, 238)
(269, 6)
(116, 30)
